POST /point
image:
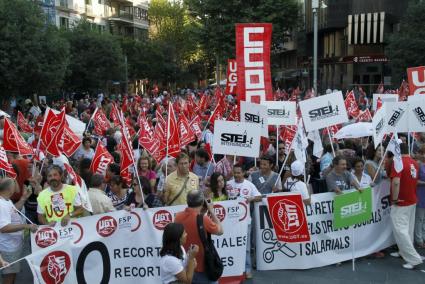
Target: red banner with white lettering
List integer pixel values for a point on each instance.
(71, 142)
(101, 159)
(5, 165)
(416, 77)
(232, 77)
(23, 123)
(13, 141)
(253, 62)
(101, 122)
(288, 218)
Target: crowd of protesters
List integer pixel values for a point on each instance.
(194, 178)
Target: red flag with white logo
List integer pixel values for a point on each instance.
(52, 132)
(101, 122)
(23, 123)
(253, 43)
(190, 108)
(71, 142)
(147, 138)
(217, 114)
(172, 133)
(39, 123)
(115, 116)
(5, 165)
(288, 218)
(364, 116)
(351, 105)
(235, 114)
(101, 159)
(13, 141)
(287, 135)
(416, 78)
(81, 185)
(186, 133)
(195, 124)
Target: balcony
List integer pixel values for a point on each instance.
(129, 16)
(89, 11)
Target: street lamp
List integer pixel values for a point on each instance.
(315, 5)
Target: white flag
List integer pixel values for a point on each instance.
(53, 265)
(317, 140)
(300, 143)
(394, 147)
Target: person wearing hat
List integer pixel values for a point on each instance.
(295, 183)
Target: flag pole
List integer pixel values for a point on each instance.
(284, 162)
(380, 163)
(168, 137)
(408, 142)
(353, 249)
(277, 146)
(330, 141)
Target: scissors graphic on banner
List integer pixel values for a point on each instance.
(268, 254)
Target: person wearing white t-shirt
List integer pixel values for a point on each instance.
(11, 229)
(239, 187)
(363, 179)
(295, 182)
(175, 264)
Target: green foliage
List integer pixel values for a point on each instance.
(95, 59)
(33, 56)
(406, 48)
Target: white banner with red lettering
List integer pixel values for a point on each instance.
(253, 62)
(326, 246)
(123, 247)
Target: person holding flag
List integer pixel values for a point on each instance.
(59, 202)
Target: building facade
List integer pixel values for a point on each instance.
(121, 17)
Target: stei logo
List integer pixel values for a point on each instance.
(55, 266)
(46, 237)
(161, 219)
(106, 226)
(220, 212)
(420, 115)
(279, 112)
(379, 126)
(397, 114)
(288, 216)
(323, 112)
(254, 118)
(236, 140)
(353, 209)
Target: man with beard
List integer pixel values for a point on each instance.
(59, 202)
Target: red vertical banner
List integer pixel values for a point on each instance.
(416, 77)
(288, 218)
(253, 62)
(232, 77)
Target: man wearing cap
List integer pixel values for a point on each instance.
(295, 183)
(266, 180)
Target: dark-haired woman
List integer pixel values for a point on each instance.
(175, 265)
(218, 188)
(118, 193)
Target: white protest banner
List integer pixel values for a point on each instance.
(281, 112)
(324, 111)
(384, 98)
(255, 113)
(237, 138)
(379, 124)
(396, 117)
(326, 246)
(123, 247)
(416, 113)
(53, 265)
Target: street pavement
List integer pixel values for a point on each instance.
(367, 270)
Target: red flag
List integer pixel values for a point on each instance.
(380, 89)
(127, 159)
(195, 124)
(208, 149)
(203, 103)
(39, 124)
(378, 103)
(147, 137)
(186, 133)
(287, 135)
(235, 114)
(332, 130)
(23, 124)
(403, 91)
(288, 218)
(71, 142)
(124, 105)
(129, 124)
(364, 116)
(416, 77)
(115, 115)
(253, 43)
(13, 141)
(191, 108)
(172, 133)
(52, 132)
(5, 165)
(351, 105)
(219, 97)
(101, 122)
(232, 77)
(217, 114)
(101, 159)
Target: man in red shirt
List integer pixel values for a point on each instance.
(403, 196)
(195, 205)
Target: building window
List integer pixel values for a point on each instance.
(100, 1)
(88, 2)
(63, 22)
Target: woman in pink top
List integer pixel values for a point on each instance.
(144, 170)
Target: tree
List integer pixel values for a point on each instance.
(95, 59)
(218, 19)
(33, 55)
(406, 48)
